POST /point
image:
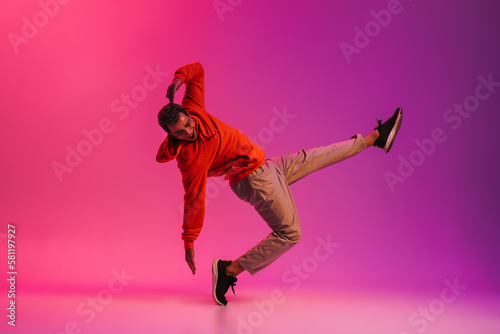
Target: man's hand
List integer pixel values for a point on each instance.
(190, 259)
(174, 86)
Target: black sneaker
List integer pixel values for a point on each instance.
(388, 130)
(221, 281)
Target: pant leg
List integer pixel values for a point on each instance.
(267, 190)
(304, 162)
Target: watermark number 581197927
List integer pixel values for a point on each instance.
(11, 273)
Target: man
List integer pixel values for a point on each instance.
(205, 146)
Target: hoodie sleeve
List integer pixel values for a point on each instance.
(194, 179)
(193, 76)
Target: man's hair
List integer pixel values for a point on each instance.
(169, 115)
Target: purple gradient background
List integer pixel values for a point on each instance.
(119, 208)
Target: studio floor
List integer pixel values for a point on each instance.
(259, 310)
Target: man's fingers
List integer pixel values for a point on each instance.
(171, 93)
(192, 266)
(190, 260)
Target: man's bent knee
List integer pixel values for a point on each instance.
(292, 236)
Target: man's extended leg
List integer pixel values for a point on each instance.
(235, 268)
(272, 187)
(267, 190)
(301, 164)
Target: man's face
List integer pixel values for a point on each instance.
(184, 128)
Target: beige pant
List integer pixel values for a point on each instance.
(267, 190)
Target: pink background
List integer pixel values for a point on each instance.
(118, 208)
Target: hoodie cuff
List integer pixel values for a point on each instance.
(181, 76)
(188, 244)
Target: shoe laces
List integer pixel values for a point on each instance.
(232, 282)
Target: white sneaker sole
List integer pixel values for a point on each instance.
(215, 275)
(394, 131)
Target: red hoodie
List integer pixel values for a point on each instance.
(219, 149)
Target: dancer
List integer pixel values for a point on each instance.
(204, 146)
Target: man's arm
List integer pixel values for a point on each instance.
(174, 86)
(193, 76)
(194, 179)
